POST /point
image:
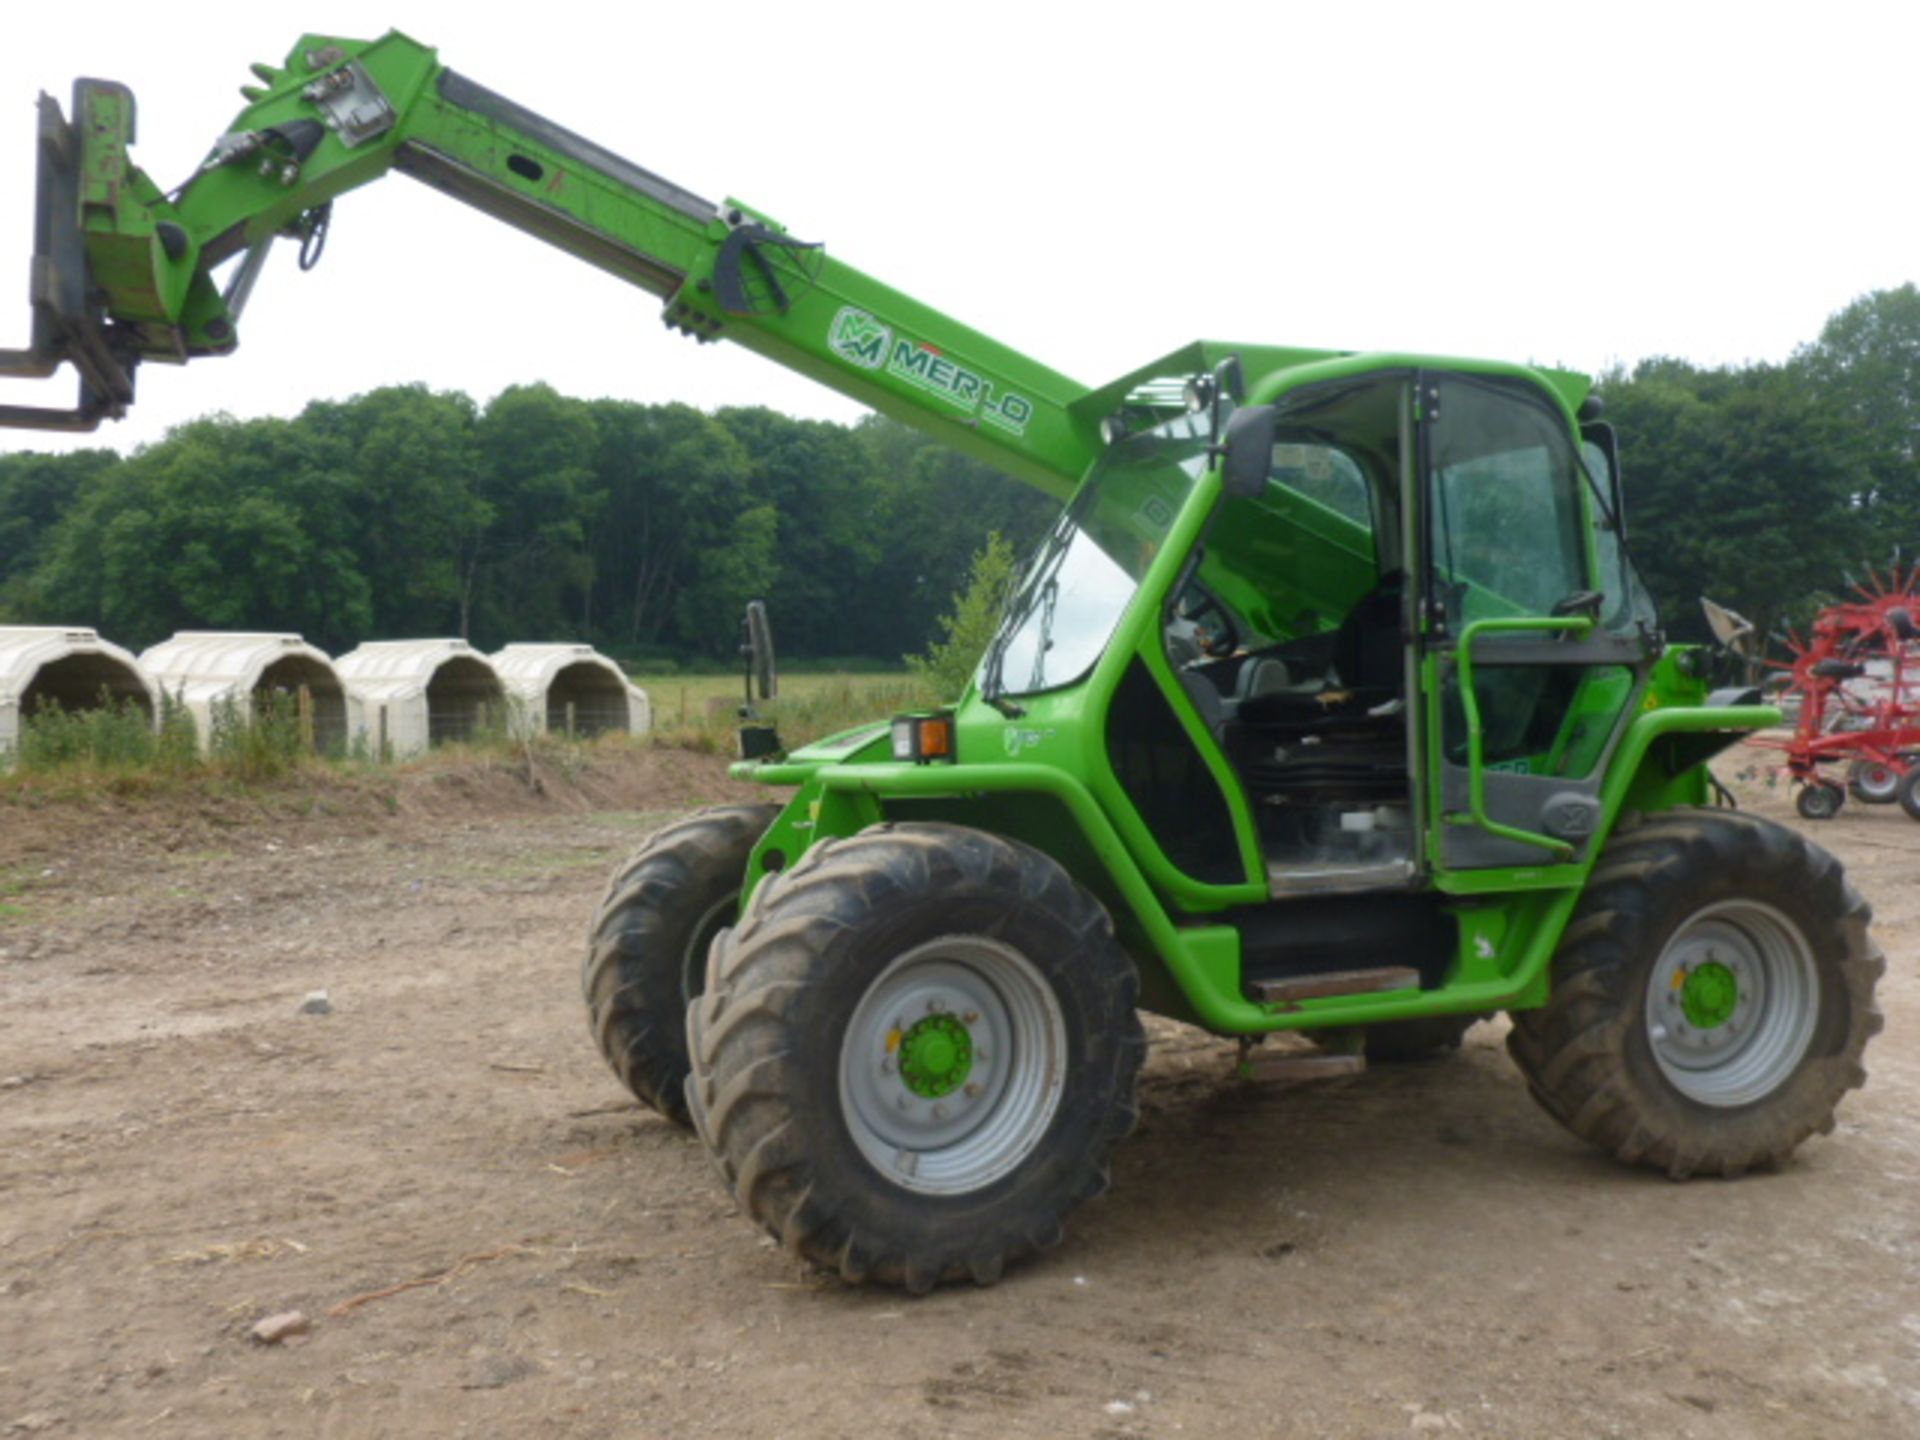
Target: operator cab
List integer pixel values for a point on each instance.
(1294, 633)
(1400, 636)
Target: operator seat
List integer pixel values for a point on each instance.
(1252, 676)
(1368, 656)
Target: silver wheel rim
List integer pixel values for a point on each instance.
(693, 961)
(1759, 1031)
(999, 1106)
(1875, 781)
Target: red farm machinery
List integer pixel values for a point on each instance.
(1852, 689)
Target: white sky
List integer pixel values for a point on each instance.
(1572, 184)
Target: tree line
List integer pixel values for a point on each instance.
(1773, 488)
(644, 528)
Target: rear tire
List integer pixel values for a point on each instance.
(1711, 1000)
(915, 1054)
(647, 957)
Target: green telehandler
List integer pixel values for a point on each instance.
(1330, 703)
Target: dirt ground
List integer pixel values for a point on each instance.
(1416, 1250)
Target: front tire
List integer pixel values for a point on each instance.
(1711, 998)
(647, 955)
(916, 1053)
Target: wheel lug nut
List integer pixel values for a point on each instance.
(973, 1090)
(936, 1005)
(903, 1103)
(886, 1066)
(972, 1017)
(939, 1112)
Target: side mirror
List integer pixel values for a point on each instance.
(1247, 452)
(1228, 381)
(757, 647)
(1734, 631)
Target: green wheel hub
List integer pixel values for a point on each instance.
(1709, 995)
(936, 1056)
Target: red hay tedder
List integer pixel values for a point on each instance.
(1856, 680)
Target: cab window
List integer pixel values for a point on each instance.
(1507, 528)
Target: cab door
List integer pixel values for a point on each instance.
(1528, 667)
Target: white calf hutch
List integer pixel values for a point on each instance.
(70, 667)
(572, 690)
(412, 694)
(220, 674)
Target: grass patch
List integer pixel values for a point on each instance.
(261, 741)
(113, 737)
(116, 751)
(701, 712)
(116, 746)
(15, 882)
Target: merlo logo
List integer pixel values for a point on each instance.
(859, 338)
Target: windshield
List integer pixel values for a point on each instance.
(1088, 567)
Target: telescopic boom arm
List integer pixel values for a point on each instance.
(123, 272)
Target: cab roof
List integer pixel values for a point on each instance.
(1268, 368)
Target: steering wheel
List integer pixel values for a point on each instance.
(1213, 627)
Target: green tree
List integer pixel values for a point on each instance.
(36, 491)
(1866, 363)
(528, 574)
(416, 514)
(707, 609)
(820, 480)
(224, 525)
(969, 627)
(677, 486)
(932, 508)
(1740, 485)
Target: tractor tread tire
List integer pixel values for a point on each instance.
(1908, 793)
(633, 975)
(1585, 1053)
(766, 1038)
